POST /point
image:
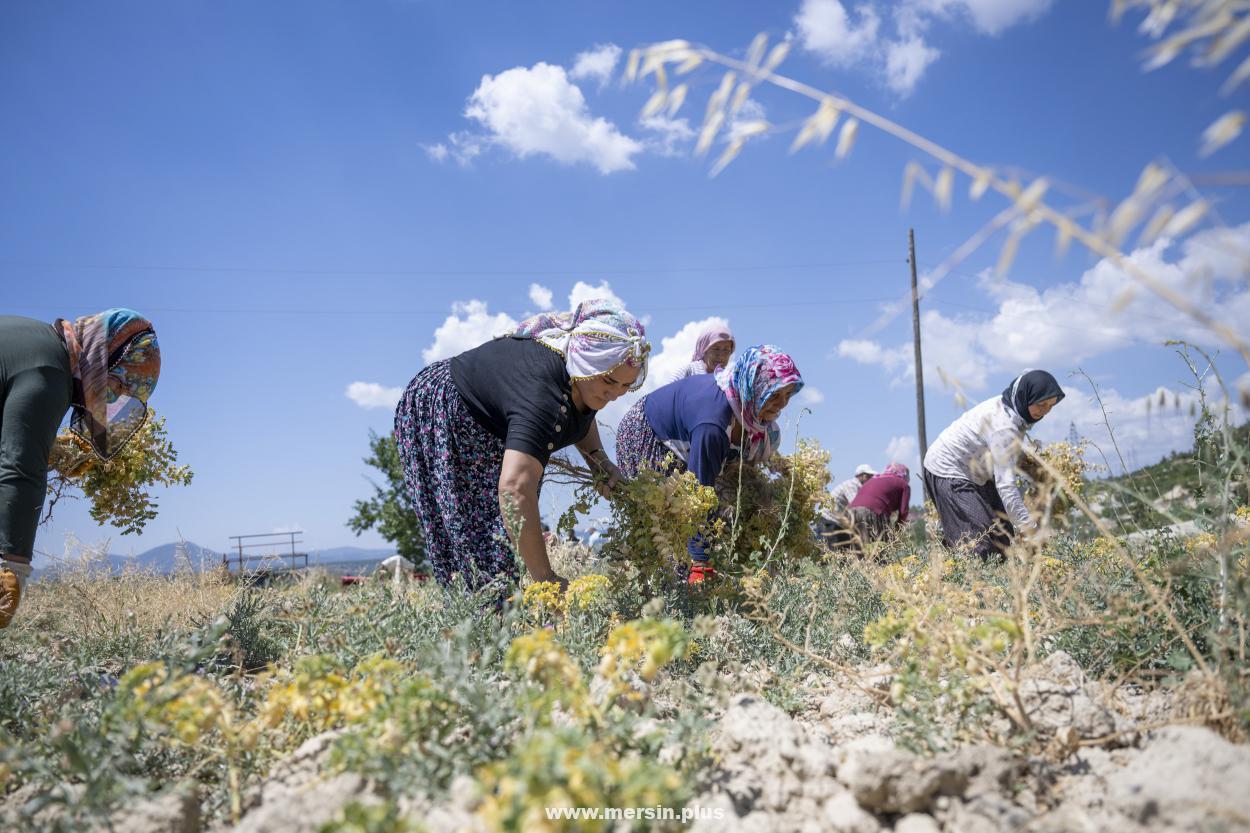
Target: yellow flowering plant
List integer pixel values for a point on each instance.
(770, 509)
(1056, 473)
(118, 489)
(320, 694)
(556, 680)
(565, 767)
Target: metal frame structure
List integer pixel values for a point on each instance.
(238, 557)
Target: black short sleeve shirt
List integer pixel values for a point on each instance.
(520, 391)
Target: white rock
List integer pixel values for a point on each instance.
(844, 815)
(916, 823)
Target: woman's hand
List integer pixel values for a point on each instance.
(607, 475)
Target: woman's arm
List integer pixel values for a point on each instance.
(1004, 449)
(591, 448)
(904, 504)
(518, 488)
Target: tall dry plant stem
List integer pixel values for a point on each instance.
(1126, 557)
(1027, 204)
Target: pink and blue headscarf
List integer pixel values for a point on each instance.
(115, 361)
(748, 383)
(595, 339)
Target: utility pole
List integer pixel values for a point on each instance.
(915, 329)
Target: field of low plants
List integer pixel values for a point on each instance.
(116, 689)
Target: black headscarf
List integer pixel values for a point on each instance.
(1029, 388)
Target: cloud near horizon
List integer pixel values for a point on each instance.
(372, 395)
(1056, 328)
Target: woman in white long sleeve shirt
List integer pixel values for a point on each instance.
(970, 471)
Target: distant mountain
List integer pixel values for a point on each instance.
(164, 558)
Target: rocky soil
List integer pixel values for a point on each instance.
(835, 767)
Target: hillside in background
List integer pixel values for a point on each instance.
(164, 558)
(1179, 487)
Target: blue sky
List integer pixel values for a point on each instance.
(315, 198)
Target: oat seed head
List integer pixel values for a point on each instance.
(846, 138)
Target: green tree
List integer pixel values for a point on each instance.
(388, 510)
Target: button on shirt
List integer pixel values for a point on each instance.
(519, 391)
(984, 445)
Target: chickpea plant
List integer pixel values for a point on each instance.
(120, 489)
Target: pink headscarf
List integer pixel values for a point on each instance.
(898, 470)
(711, 335)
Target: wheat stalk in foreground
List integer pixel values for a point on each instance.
(1219, 24)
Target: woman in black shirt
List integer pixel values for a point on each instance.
(475, 433)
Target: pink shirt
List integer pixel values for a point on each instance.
(884, 494)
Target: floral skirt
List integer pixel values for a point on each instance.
(638, 447)
(451, 467)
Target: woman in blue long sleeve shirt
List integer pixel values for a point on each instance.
(698, 421)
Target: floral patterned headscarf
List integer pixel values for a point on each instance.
(115, 361)
(748, 383)
(595, 339)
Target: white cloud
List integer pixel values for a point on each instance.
(583, 291)
(596, 63)
(1058, 327)
(540, 296)
(844, 36)
(903, 450)
(469, 325)
(811, 395)
(827, 29)
(863, 351)
(989, 17)
(905, 63)
(537, 110)
(373, 395)
(463, 147)
(670, 134)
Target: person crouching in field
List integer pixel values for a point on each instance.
(104, 367)
(970, 471)
(883, 495)
(699, 419)
(711, 352)
(837, 516)
(475, 433)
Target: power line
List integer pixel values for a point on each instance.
(401, 273)
(712, 307)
